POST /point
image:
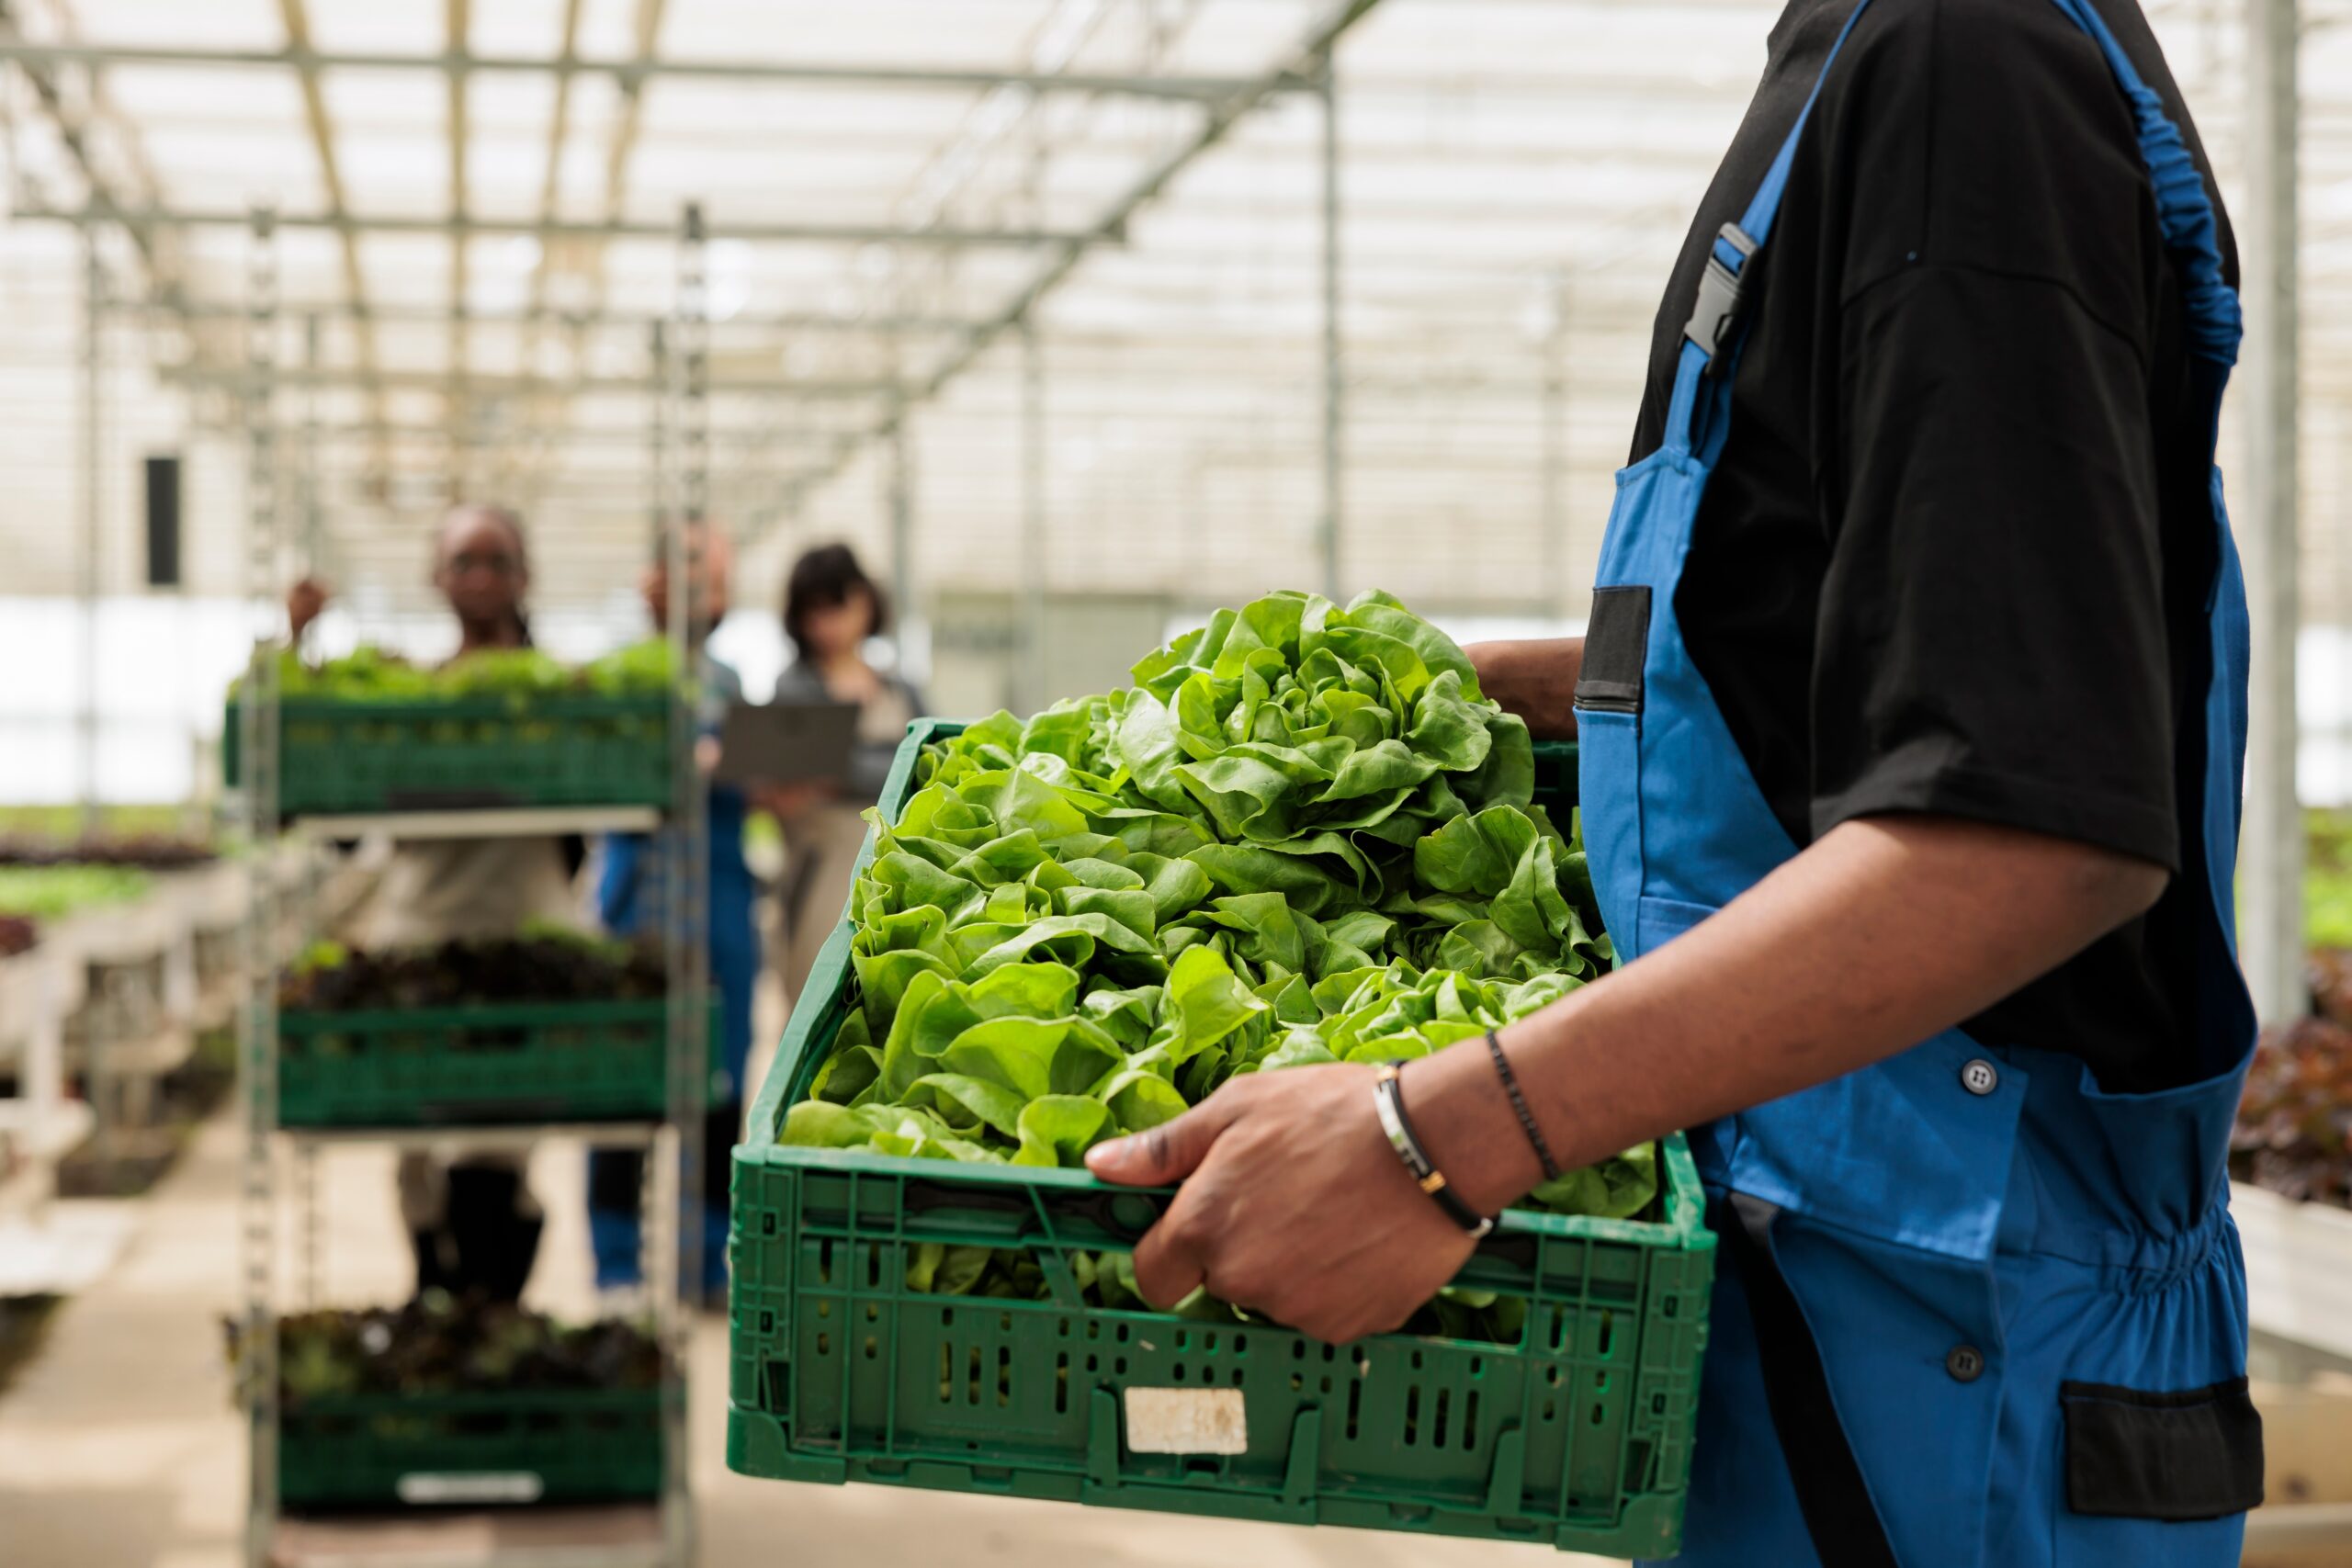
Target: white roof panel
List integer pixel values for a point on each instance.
(1515, 175)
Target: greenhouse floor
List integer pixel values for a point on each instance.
(118, 1448)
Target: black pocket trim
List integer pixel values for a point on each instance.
(2187, 1454)
(1616, 649)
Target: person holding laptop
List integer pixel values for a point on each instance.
(832, 609)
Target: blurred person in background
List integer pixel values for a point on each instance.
(473, 1224)
(629, 892)
(832, 609)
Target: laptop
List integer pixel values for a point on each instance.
(785, 742)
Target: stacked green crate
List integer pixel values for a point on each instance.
(339, 756)
(559, 1062)
(380, 1449)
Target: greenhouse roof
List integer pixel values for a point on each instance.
(477, 212)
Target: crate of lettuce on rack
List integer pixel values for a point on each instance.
(503, 729)
(1304, 835)
(550, 1025)
(463, 1400)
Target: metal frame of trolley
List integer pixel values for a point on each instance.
(279, 1163)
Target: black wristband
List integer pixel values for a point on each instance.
(1388, 1099)
(1519, 1104)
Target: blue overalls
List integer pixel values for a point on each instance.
(630, 900)
(1973, 1309)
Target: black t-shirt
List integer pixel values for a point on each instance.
(1955, 556)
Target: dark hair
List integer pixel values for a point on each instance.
(506, 517)
(822, 578)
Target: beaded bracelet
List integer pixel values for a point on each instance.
(1519, 1104)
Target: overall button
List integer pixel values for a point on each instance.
(1965, 1363)
(1980, 1077)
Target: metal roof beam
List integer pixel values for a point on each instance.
(635, 320)
(607, 435)
(296, 16)
(550, 192)
(351, 225)
(164, 275)
(518, 386)
(458, 24)
(1302, 69)
(630, 72)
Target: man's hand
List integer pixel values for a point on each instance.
(1535, 679)
(304, 603)
(788, 803)
(1293, 1204)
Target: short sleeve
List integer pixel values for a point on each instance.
(1991, 641)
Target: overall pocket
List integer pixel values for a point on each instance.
(2162, 1477)
(2177, 1455)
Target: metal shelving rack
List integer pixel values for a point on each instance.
(673, 1204)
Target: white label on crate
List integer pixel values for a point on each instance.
(1187, 1421)
(481, 1486)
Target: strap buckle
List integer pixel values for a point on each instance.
(1721, 294)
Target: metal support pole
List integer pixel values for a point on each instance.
(1033, 678)
(306, 1179)
(686, 907)
(257, 1053)
(93, 516)
(313, 509)
(2273, 833)
(1030, 689)
(1334, 410)
(658, 433)
(914, 640)
(656, 1240)
(1552, 540)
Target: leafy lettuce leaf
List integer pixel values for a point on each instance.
(1304, 835)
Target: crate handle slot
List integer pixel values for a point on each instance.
(1106, 1219)
(1094, 1220)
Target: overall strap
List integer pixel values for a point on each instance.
(1710, 339)
(2185, 214)
(2192, 230)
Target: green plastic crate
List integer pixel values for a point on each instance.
(1579, 1436)
(470, 1065)
(338, 757)
(370, 1450)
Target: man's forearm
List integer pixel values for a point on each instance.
(1881, 934)
(1535, 679)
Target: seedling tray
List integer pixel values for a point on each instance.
(338, 757)
(1577, 1434)
(473, 1066)
(470, 1450)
